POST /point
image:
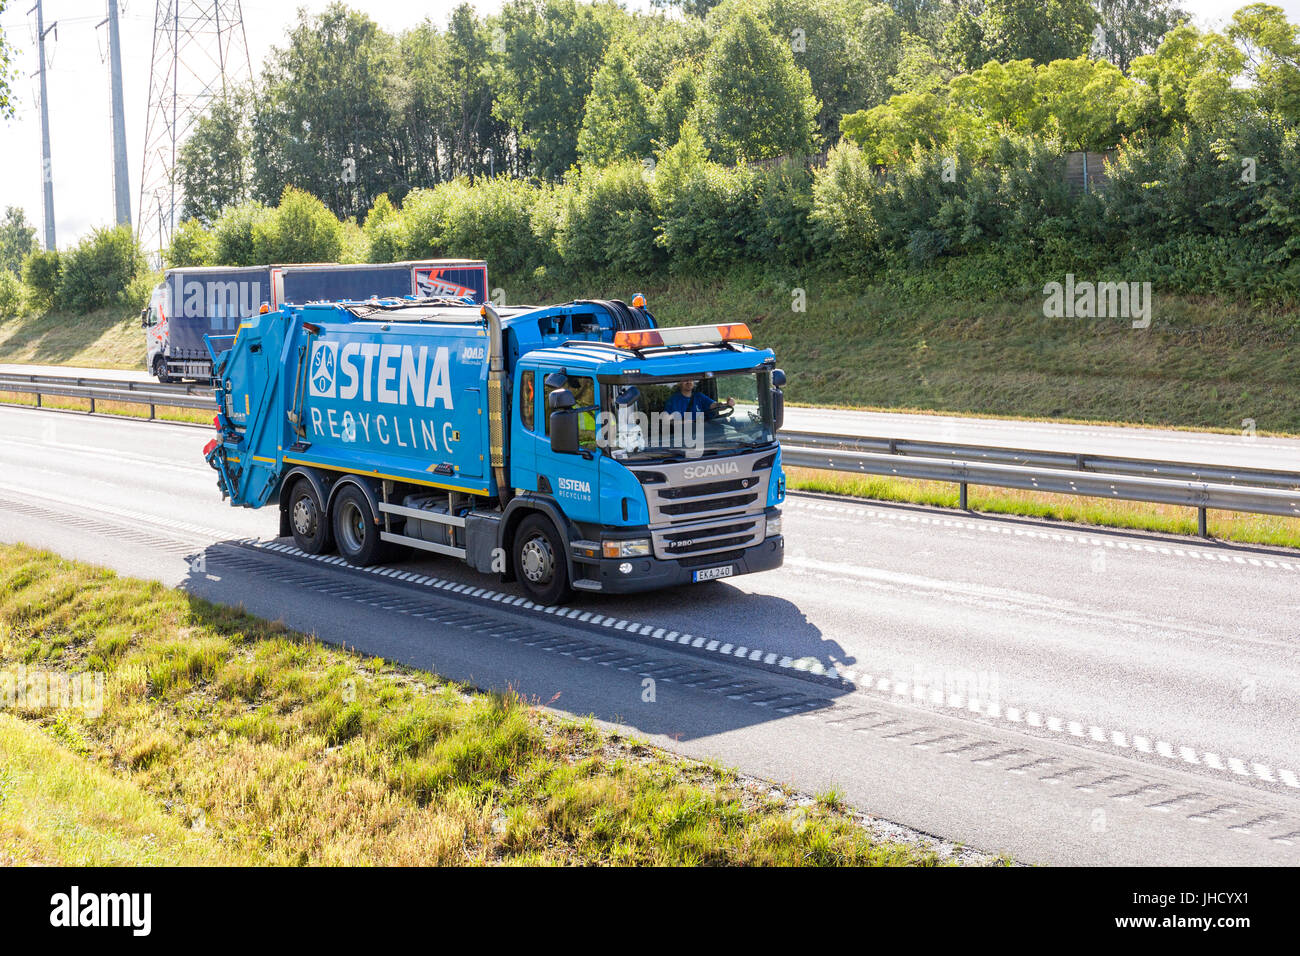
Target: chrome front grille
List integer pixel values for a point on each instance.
(696, 513)
(708, 537)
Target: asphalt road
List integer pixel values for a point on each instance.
(1063, 695)
(1245, 448)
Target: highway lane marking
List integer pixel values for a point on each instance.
(1066, 537)
(861, 682)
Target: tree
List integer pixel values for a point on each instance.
(849, 47)
(17, 239)
(674, 104)
(300, 229)
(1038, 30)
(213, 165)
(323, 121)
(6, 71)
(616, 124)
(1272, 57)
(1189, 79)
(755, 103)
(1133, 28)
(888, 132)
(547, 53)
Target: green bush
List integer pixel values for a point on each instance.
(385, 232)
(233, 232)
(42, 270)
(11, 295)
(607, 222)
(300, 229)
(98, 270)
(843, 216)
(488, 220)
(193, 244)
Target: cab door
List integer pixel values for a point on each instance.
(525, 419)
(570, 479)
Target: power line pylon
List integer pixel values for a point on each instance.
(200, 55)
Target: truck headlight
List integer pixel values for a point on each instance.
(774, 525)
(629, 548)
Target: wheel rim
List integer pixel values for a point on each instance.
(352, 527)
(304, 516)
(537, 560)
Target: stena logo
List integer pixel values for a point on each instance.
(711, 470)
(575, 486)
(472, 354)
(389, 374)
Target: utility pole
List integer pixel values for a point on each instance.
(47, 174)
(121, 181)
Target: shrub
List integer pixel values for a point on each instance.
(233, 233)
(98, 270)
(843, 215)
(42, 270)
(193, 244)
(300, 229)
(606, 220)
(11, 295)
(490, 220)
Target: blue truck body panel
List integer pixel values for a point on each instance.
(404, 398)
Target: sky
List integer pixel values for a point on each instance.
(78, 77)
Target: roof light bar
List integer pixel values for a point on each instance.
(687, 335)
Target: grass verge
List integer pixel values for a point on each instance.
(60, 808)
(298, 753)
(1099, 512)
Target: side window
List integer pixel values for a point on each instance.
(528, 399)
(584, 396)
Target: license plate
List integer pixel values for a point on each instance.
(710, 574)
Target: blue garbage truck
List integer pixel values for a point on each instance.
(578, 446)
(212, 300)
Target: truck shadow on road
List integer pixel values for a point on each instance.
(678, 692)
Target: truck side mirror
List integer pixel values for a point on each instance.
(630, 395)
(564, 422)
(144, 318)
(778, 400)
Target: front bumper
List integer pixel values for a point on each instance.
(629, 575)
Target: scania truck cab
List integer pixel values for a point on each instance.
(578, 446)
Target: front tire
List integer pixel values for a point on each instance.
(308, 521)
(355, 530)
(540, 562)
(159, 370)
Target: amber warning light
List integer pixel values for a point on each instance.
(686, 335)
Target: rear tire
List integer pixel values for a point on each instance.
(355, 532)
(308, 521)
(541, 566)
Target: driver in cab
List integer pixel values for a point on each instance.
(685, 400)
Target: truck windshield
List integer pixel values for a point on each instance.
(689, 417)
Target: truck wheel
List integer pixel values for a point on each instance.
(355, 531)
(159, 370)
(540, 563)
(308, 521)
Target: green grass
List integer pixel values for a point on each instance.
(1204, 363)
(1100, 512)
(60, 808)
(105, 338)
(296, 753)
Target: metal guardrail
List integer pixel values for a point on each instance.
(1189, 484)
(152, 394)
(1194, 485)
